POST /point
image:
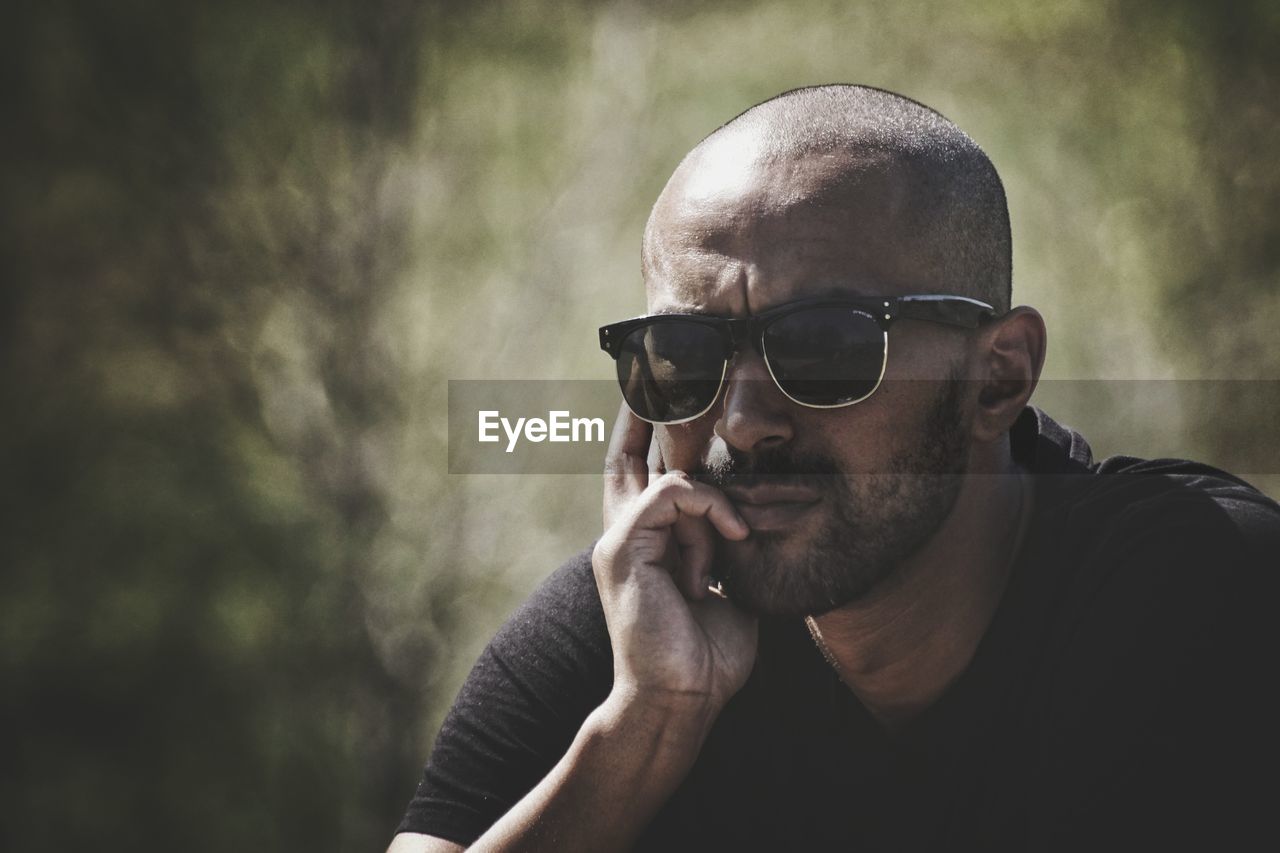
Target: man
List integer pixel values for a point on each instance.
(852, 591)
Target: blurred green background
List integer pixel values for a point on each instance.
(247, 243)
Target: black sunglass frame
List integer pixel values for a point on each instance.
(947, 309)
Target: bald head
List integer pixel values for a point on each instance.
(927, 201)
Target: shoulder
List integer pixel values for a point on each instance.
(1144, 600)
(1164, 567)
(558, 634)
(548, 665)
(1185, 512)
(1127, 495)
(1153, 697)
(569, 590)
(551, 655)
(519, 708)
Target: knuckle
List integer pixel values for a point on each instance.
(674, 481)
(604, 551)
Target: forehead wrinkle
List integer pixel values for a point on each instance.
(817, 192)
(842, 217)
(709, 282)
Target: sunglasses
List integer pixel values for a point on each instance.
(822, 353)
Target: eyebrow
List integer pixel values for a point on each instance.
(695, 311)
(831, 296)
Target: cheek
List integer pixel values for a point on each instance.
(683, 446)
(864, 438)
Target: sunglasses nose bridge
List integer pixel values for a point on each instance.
(746, 368)
(739, 332)
(744, 336)
(736, 332)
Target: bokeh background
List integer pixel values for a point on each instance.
(247, 244)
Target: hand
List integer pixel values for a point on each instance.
(674, 642)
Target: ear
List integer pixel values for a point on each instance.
(1010, 355)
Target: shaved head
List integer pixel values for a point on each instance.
(940, 205)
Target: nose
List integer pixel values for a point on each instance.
(754, 416)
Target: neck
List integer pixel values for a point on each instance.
(902, 645)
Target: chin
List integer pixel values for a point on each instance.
(794, 574)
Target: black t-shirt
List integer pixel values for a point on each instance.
(1120, 698)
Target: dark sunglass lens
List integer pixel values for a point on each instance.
(826, 356)
(670, 370)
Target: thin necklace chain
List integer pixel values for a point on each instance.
(826, 652)
(1020, 530)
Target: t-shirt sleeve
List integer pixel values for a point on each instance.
(519, 710)
(1163, 706)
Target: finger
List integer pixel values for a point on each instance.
(626, 470)
(697, 545)
(656, 466)
(675, 493)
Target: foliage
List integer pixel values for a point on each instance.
(243, 240)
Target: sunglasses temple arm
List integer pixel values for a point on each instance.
(966, 313)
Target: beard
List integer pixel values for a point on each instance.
(871, 524)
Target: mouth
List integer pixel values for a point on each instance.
(773, 507)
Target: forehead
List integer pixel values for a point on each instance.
(736, 235)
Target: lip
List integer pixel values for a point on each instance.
(772, 506)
